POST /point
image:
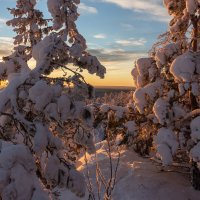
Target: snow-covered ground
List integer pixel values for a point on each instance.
(138, 179)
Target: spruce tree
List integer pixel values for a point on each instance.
(168, 89)
(36, 110)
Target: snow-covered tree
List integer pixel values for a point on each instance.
(168, 88)
(28, 23)
(36, 110)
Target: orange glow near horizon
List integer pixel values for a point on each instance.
(118, 74)
(113, 77)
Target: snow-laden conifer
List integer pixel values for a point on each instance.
(36, 110)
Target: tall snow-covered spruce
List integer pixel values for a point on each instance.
(36, 110)
(168, 86)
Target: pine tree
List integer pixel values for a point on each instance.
(36, 110)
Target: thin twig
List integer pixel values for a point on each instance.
(89, 185)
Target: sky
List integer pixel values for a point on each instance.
(117, 31)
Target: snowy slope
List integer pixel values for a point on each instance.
(139, 179)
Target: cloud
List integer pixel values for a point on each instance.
(127, 27)
(85, 9)
(4, 52)
(132, 42)
(6, 44)
(116, 55)
(2, 22)
(152, 7)
(100, 36)
(7, 40)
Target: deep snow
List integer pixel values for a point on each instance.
(138, 178)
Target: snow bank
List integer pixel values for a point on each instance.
(137, 179)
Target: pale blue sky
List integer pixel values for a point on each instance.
(117, 32)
